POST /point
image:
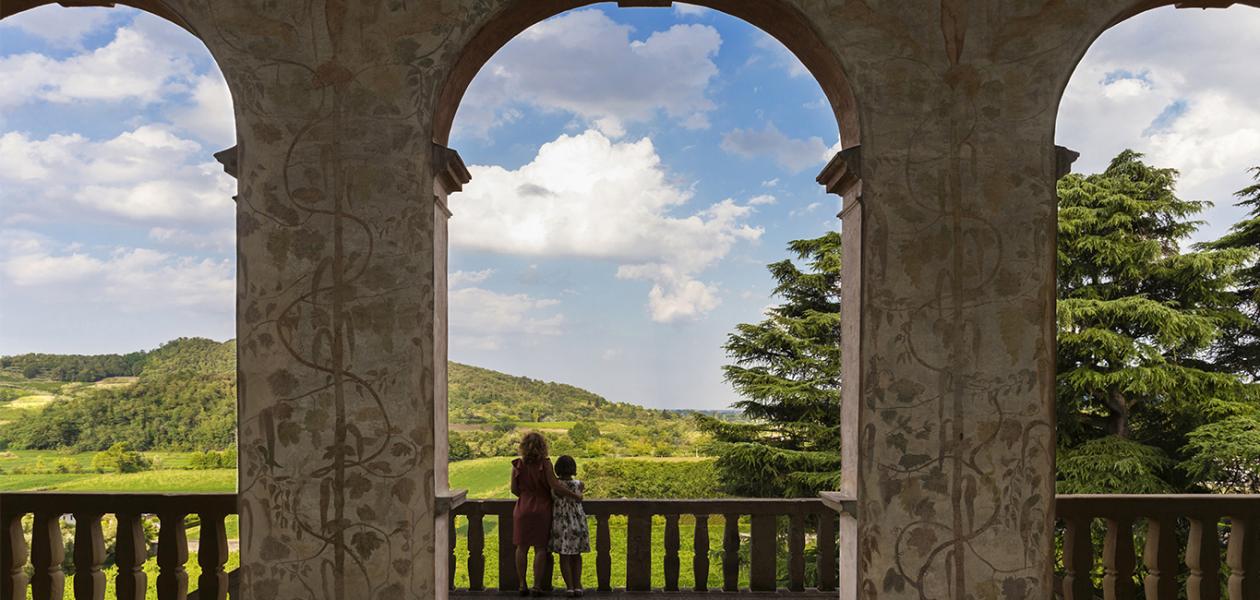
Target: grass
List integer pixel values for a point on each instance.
(150, 569)
(30, 459)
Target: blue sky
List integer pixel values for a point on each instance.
(634, 170)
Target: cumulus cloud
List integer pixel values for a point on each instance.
(60, 27)
(129, 279)
(589, 196)
(1179, 99)
(134, 67)
(794, 155)
(148, 174)
(690, 10)
(780, 56)
(208, 115)
(483, 319)
(584, 63)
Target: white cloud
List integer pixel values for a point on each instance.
(1172, 84)
(792, 154)
(466, 278)
(690, 10)
(484, 319)
(60, 27)
(588, 196)
(584, 63)
(780, 56)
(762, 200)
(129, 279)
(148, 174)
(209, 116)
(135, 67)
(769, 183)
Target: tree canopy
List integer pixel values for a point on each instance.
(786, 368)
(1138, 317)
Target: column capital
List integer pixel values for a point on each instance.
(843, 172)
(449, 172)
(1063, 159)
(230, 159)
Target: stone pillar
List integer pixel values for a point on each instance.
(450, 175)
(336, 309)
(842, 176)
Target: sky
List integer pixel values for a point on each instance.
(634, 170)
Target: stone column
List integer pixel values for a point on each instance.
(842, 176)
(337, 314)
(450, 175)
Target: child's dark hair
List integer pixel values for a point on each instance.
(566, 467)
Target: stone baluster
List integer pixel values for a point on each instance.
(763, 567)
(1078, 559)
(1243, 557)
(476, 552)
(1203, 558)
(730, 554)
(172, 554)
(12, 557)
(671, 553)
(1119, 560)
(796, 553)
(130, 553)
(507, 558)
(47, 553)
(700, 561)
(639, 553)
(89, 556)
(603, 554)
(828, 570)
(212, 555)
(1160, 558)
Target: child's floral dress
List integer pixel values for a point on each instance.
(569, 533)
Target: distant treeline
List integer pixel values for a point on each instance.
(75, 367)
(184, 399)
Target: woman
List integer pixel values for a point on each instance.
(533, 481)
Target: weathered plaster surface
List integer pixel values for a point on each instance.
(956, 100)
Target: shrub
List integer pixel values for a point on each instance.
(120, 458)
(629, 478)
(223, 459)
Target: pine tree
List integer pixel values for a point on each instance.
(787, 369)
(1136, 318)
(1239, 348)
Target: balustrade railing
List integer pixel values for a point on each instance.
(801, 518)
(1199, 547)
(1210, 524)
(47, 552)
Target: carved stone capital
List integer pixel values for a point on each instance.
(230, 159)
(843, 172)
(1063, 159)
(449, 172)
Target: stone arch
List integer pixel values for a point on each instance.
(775, 17)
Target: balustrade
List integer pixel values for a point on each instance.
(798, 519)
(47, 552)
(1201, 547)
(1210, 524)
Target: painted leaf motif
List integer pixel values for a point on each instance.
(366, 542)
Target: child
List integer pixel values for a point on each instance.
(533, 482)
(569, 535)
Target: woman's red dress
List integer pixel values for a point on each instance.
(531, 518)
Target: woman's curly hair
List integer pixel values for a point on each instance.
(533, 447)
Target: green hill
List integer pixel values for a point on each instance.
(182, 396)
(478, 395)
